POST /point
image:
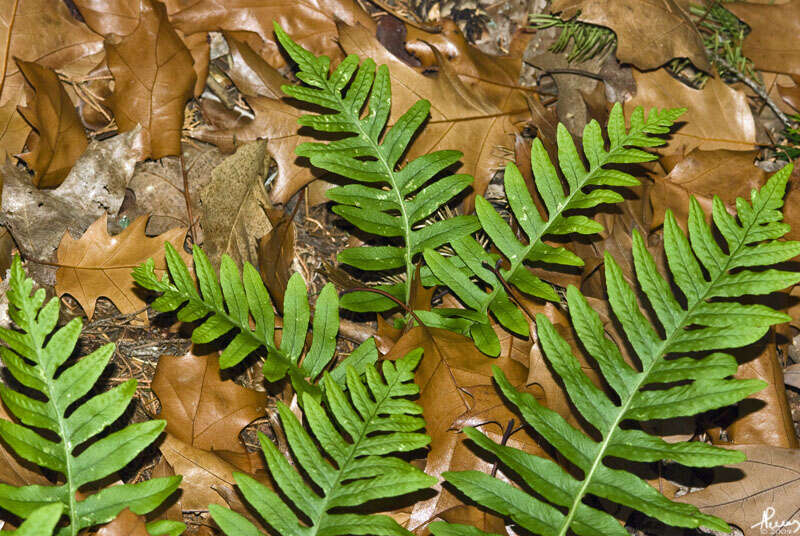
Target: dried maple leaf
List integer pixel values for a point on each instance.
(98, 264)
(200, 408)
(649, 33)
(61, 138)
(125, 524)
(718, 116)
(153, 77)
(772, 42)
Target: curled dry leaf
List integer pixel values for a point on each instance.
(275, 120)
(649, 34)
(772, 42)
(125, 524)
(767, 484)
(276, 254)
(98, 264)
(200, 408)
(718, 116)
(153, 78)
(61, 138)
(235, 204)
(703, 174)
(37, 218)
(313, 19)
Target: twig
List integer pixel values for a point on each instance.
(757, 89)
(188, 199)
(8, 44)
(496, 271)
(430, 28)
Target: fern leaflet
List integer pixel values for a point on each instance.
(687, 385)
(230, 303)
(379, 420)
(48, 350)
(372, 160)
(584, 191)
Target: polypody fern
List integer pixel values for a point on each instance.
(36, 357)
(584, 190)
(389, 201)
(703, 319)
(378, 419)
(228, 304)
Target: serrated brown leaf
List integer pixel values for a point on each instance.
(37, 218)
(201, 408)
(98, 264)
(704, 174)
(311, 21)
(61, 138)
(125, 524)
(718, 116)
(234, 206)
(455, 382)
(772, 42)
(154, 77)
(649, 34)
(743, 494)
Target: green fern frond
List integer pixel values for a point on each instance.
(702, 320)
(379, 420)
(42, 522)
(389, 201)
(34, 356)
(582, 40)
(584, 191)
(229, 304)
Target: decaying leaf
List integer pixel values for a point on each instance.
(14, 470)
(98, 264)
(718, 116)
(772, 42)
(125, 524)
(765, 486)
(649, 34)
(200, 408)
(14, 130)
(235, 204)
(117, 17)
(153, 78)
(61, 138)
(37, 218)
(704, 174)
(157, 187)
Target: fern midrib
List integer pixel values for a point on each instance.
(356, 120)
(62, 423)
(552, 219)
(342, 468)
(656, 356)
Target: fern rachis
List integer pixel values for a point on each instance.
(624, 147)
(379, 420)
(690, 385)
(48, 350)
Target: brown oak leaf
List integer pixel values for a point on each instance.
(98, 264)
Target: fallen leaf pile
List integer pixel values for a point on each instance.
(129, 124)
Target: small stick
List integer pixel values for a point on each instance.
(188, 199)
